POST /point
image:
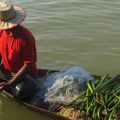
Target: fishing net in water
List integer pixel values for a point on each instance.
(62, 86)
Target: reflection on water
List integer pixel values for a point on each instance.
(11, 110)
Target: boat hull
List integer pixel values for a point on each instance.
(41, 73)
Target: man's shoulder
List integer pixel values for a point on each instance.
(26, 30)
(26, 33)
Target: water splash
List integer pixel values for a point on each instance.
(63, 86)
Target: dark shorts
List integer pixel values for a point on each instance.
(23, 90)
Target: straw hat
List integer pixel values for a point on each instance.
(10, 16)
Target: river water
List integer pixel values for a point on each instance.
(84, 33)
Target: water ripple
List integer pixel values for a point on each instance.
(87, 28)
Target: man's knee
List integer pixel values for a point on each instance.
(26, 89)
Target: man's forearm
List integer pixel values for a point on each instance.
(20, 74)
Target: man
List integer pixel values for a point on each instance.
(18, 53)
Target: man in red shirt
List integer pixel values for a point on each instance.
(18, 52)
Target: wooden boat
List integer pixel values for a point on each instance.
(42, 73)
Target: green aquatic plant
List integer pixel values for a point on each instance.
(101, 100)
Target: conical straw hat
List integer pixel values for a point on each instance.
(10, 16)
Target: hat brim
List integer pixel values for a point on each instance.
(19, 17)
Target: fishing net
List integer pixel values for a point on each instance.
(62, 86)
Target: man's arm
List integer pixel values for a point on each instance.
(20, 74)
(17, 78)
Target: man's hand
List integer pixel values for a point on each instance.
(3, 85)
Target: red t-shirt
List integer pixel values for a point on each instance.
(18, 49)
